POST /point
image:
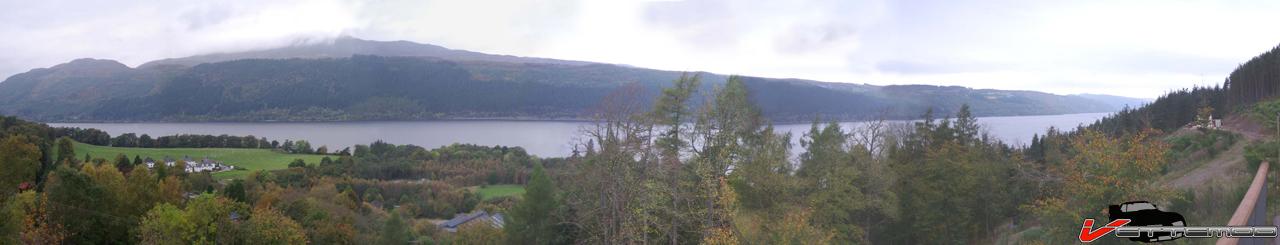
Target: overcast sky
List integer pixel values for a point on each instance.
(1133, 48)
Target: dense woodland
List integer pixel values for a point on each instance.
(1254, 81)
(58, 198)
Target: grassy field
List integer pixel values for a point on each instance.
(496, 191)
(252, 159)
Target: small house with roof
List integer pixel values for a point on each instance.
(192, 166)
(459, 220)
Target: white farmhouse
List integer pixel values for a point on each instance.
(192, 166)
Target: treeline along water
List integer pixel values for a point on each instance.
(542, 138)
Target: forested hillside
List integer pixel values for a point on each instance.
(346, 46)
(1255, 80)
(75, 87)
(408, 81)
(1169, 112)
(1247, 98)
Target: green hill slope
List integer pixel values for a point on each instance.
(250, 159)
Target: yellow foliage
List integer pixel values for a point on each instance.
(480, 233)
(37, 226)
(727, 200)
(1104, 170)
(268, 226)
(721, 236)
(269, 197)
(171, 190)
(795, 229)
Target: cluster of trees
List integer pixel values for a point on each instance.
(470, 165)
(190, 141)
(716, 172)
(90, 136)
(1118, 158)
(15, 126)
(457, 164)
(218, 141)
(388, 193)
(98, 137)
(51, 197)
(1168, 113)
(102, 138)
(1094, 170)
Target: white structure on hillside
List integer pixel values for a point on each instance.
(1212, 123)
(192, 166)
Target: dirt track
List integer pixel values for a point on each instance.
(1227, 165)
(1244, 126)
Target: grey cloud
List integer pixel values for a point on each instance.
(703, 23)
(46, 33)
(682, 14)
(1115, 61)
(480, 25)
(803, 39)
(201, 17)
(794, 26)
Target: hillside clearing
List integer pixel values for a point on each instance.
(251, 159)
(496, 191)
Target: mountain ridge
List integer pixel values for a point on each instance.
(353, 79)
(346, 46)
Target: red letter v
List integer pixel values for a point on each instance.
(1087, 234)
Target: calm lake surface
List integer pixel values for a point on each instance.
(542, 138)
